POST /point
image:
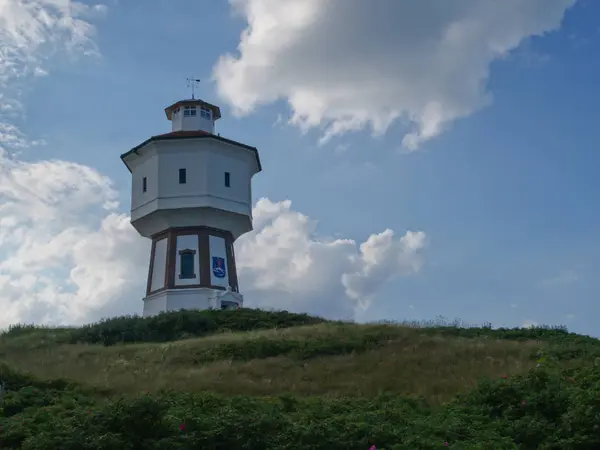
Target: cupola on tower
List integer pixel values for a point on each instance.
(191, 194)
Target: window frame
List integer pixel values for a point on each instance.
(205, 112)
(190, 256)
(190, 111)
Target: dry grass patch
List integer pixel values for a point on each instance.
(358, 360)
(433, 368)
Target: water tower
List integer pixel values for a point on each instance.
(191, 195)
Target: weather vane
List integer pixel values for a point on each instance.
(192, 83)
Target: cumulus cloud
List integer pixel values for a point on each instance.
(283, 263)
(383, 256)
(61, 256)
(344, 65)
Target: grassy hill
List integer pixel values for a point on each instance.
(250, 379)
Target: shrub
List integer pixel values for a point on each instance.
(14, 380)
(542, 410)
(172, 326)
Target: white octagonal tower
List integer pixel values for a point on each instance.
(192, 195)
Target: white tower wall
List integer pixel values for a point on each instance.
(191, 194)
(146, 167)
(204, 198)
(189, 155)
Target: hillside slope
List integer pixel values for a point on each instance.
(252, 379)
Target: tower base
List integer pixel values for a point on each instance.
(191, 298)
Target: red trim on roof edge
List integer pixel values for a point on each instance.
(191, 134)
(184, 133)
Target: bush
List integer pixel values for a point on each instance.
(172, 326)
(14, 380)
(543, 410)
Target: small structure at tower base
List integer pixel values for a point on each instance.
(198, 298)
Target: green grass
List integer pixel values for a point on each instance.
(274, 380)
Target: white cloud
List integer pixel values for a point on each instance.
(39, 72)
(278, 120)
(349, 64)
(9, 107)
(282, 263)
(566, 277)
(31, 31)
(383, 256)
(61, 257)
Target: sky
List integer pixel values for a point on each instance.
(420, 159)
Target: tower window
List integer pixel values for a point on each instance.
(189, 111)
(205, 112)
(144, 184)
(182, 176)
(186, 263)
(227, 179)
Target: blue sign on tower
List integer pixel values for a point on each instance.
(218, 267)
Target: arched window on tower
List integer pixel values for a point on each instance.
(186, 263)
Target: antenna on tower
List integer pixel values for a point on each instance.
(192, 83)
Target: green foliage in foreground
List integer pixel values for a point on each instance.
(553, 407)
(545, 409)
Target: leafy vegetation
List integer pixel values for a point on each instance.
(185, 324)
(251, 379)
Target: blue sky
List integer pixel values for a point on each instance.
(505, 194)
